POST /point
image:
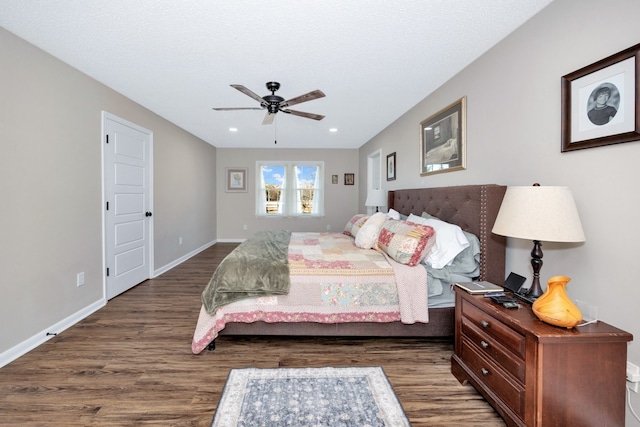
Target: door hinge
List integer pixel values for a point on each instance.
(107, 271)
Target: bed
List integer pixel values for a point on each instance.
(471, 207)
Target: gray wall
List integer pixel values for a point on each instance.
(50, 178)
(51, 191)
(238, 209)
(513, 138)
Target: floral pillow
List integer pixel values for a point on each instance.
(355, 223)
(406, 242)
(368, 233)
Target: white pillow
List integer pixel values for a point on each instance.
(417, 219)
(450, 241)
(393, 214)
(368, 235)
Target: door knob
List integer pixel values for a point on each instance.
(148, 214)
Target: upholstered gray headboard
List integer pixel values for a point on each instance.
(473, 207)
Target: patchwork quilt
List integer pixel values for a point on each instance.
(331, 281)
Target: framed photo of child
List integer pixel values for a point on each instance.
(600, 102)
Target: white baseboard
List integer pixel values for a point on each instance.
(29, 344)
(182, 259)
(26, 346)
(231, 240)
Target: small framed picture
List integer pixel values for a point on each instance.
(600, 102)
(334, 179)
(443, 140)
(236, 179)
(349, 179)
(391, 167)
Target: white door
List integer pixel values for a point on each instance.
(128, 214)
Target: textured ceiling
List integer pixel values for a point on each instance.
(374, 59)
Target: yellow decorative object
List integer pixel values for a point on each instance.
(555, 307)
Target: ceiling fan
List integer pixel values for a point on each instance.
(274, 103)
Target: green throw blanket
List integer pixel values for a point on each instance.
(258, 267)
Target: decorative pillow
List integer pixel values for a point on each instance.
(450, 241)
(354, 224)
(368, 233)
(405, 242)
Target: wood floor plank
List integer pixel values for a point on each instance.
(130, 363)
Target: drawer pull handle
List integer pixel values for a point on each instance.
(484, 323)
(484, 372)
(484, 344)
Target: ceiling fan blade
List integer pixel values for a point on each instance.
(237, 108)
(249, 93)
(268, 119)
(303, 98)
(303, 114)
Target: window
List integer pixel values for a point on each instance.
(289, 189)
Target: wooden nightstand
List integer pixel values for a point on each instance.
(535, 374)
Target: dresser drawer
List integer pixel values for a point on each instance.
(494, 378)
(510, 339)
(491, 348)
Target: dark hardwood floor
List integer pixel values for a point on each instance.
(130, 364)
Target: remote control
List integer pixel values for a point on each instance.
(510, 304)
(502, 300)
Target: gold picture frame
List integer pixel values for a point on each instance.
(443, 140)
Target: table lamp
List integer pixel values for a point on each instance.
(539, 213)
(376, 197)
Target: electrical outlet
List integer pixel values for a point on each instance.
(244, 227)
(80, 279)
(632, 386)
(328, 227)
(179, 240)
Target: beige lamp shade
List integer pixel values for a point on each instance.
(376, 197)
(540, 213)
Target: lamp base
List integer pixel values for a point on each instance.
(535, 290)
(555, 307)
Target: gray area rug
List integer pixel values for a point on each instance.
(305, 397)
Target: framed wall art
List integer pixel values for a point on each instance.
(600, 102)
(349, 179)
(334, 179)
(236, 180)
(391, 167)
(442, 140)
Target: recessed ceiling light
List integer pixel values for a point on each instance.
(333, 130)
(233, 129)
